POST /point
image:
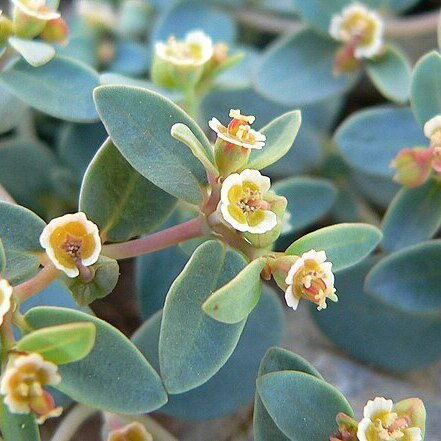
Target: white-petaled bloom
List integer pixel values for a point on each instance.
(432, 130)
(134, 431)
(311, 277)
(22, 385)
(242, 205)
(238, 131)
(381, 423)
(5, 298)
(360, 27)
(195, 50)
(96, 13)
(37, 9)
(71, 242)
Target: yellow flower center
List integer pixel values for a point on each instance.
(309, 282)
(241, 131)
(388, 426)
(246, 204)
(72, 243)
(184, 51)
(360, 28)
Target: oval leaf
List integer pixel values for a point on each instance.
(425, 90)
(409, 279)
(20, 231)
(368, 140)
(413, 216)
(234, 301)
(16, 427)
(291, 69)
(114, 368)
(391, 74)
(280, 135)
(36, 53)
(61, 88)
(345, 244)
(186, 327)
(60, 344)
(11, 110)
(302, 406)
(122, 202)
(139, 122)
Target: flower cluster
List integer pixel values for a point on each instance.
(415, 165)
(22, 385)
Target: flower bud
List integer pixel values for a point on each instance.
(347, 428)
(413, 166)
(55, 31)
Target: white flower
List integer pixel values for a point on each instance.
(242, 204)
(239, 131)
(22, 384)
(361, 27)
(71, 241)
(37, 9)
(381, 423)
(433, 127)
(5, 298)
(195, 50)
(310, 276)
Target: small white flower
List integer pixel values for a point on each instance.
(242, 204)
(360, 26)
(195, 50)
(22, 385)
(310, 276)
(432, 126)
(70, 241)
(381, 423)
(5, 298)
(239, 131)
(37, 9)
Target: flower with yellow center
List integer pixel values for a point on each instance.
(72, 243)
(195, 50)
(36, 9)
(22, 384)
(131, 432)
(432, 130)
(5, 298)
(238, 132)
(360, 28)
(311, 277)
(242, 204)
(381, 422)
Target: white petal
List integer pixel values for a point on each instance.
(335, 25)
(291, 300)
(231, 220)
(414, 434)
(432, 126)
(363, 426)
(230, 181)
(263, 182)
(317, 256)
(298, 264)
(215, 125)
(267, 224)
(379, 404)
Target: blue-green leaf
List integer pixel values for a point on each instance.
(15, 427)
(413, 216)
(11, 110)
(61, 88)
(425, 90)
(36, 53)
(139, 123)
(114, 368)
(131, 58)
(292, 68)
(345, 244)
(369, 139)
(391, 74)
(193, 346)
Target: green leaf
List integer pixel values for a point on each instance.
(20, 231)
(309, 199)
(11, 110)
(275, 360)
(413, 216)
(61, 88)
(60, 344)
(2, 257)
(413, 274)
(119, 200)
(369, 139)
(302, 406)
(391, 74)
(425, 90)
(36, 53)
(15, 427)
(361, 317)
(114, 368)
(193, 346)
(233, 386)
(139, 123)
(234, 301)
(298, 70)
(345, 244)
(31, 161)
(280, 135)
(184, 134)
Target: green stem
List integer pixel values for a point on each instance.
(157, 241)
(191, 104)
(42, 279)
(7, 336)
(72, 422)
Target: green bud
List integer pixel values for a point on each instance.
(26, 26)
(279, 269)
(230, 157)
